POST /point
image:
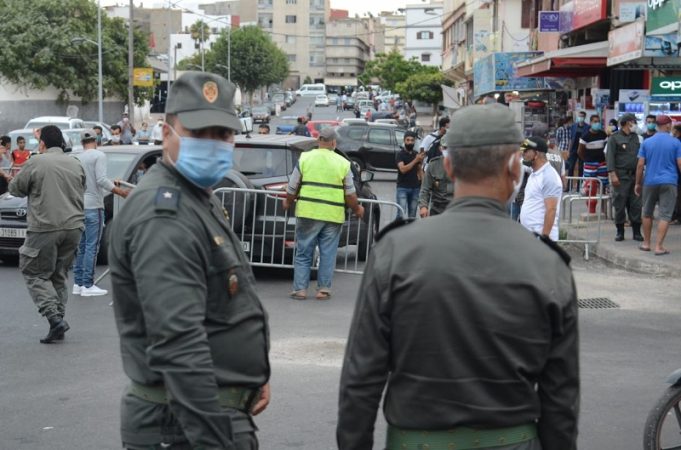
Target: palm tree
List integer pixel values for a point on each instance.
(199, 32)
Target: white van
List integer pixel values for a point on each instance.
(311, 90)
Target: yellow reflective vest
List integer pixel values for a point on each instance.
(321, 195)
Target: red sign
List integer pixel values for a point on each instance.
(587, 12)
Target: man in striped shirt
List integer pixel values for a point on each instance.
(592, 151)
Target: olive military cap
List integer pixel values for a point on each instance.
(201, 100)
(628, 117)
(483, 125)
(328, 134)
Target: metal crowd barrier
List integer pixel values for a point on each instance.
(579, 231)
(267, 232)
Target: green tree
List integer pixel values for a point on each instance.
(307, 80)
(37, 51)
(389, 69)
(425, 86)
(200, 31)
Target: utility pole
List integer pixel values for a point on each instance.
(131, 62)
(100, 81)
(229, 51)
(169, 45)
(203, 54)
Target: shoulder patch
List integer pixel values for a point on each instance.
(397, 223)
(556, 248)
(167, 199)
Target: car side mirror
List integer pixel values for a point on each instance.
(366, 176)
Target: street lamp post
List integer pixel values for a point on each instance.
(100, 93)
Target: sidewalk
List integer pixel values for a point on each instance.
(626, 254)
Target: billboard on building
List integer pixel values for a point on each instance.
(663, 16)
(482, 28)
(625, 43)
(587, 12)
(497, 73)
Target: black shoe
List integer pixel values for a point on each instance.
(58, 327)
(636, 228)
(619, 237)
(638, 237)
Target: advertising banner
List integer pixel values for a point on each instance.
(505, 78)
(566, 16)
(666, 86)
(661, 45)
(634, 96)
(587, 12)
(662, 14)
(630, 10)
(549, 21)
(143, 77)
(625, 43)
(483, 76)
(482, 27)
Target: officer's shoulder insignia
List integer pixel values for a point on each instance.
(397, 223)
(167, 199)
(555, 247)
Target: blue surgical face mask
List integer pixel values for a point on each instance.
(580, 119)
(596, 126)
(650, 126)
(204, 162)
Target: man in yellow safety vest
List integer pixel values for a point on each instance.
(323, 186)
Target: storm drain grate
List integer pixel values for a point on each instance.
(596, 303)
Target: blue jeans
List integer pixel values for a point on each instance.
(86, 259)
(310, 234)
(408, 199)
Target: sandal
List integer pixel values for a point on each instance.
(298, 295)
(323, 294)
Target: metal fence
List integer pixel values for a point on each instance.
(267, 232)
(582, 212)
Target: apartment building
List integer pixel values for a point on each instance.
(394, 31)
(298, 27)
(347, 51)
(423, 32)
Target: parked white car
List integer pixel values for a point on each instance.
(62, 122)
(321, 100)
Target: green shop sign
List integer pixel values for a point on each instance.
(668, 86)
(662, 13)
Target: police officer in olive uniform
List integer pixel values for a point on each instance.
(621, 158)
(194, 335)
(478, 344)
(436, 188)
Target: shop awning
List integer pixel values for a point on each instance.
(581, 61)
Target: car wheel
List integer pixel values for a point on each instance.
(239, 206)
(359, 161)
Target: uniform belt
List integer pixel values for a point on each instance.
(627, 172)
(239, 398)
(460, 438)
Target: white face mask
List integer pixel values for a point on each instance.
(517, 184)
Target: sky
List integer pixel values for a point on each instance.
(360, 7)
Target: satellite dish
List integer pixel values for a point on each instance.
(72, 111)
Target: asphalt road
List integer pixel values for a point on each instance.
(65, 396)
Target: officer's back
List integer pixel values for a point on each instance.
(469, 319)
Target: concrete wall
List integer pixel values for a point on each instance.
(18, 106)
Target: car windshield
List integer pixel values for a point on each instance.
(60, 125)
(256, 162)
(117, 164)
(260, 110)
(74, 136)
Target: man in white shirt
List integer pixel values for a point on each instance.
(157, 133)
(541, 207)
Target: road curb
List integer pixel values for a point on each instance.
(632, 264)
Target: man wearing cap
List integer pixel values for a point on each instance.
(54, 183)
(193, 333)
(436, 188)
(660, 155)
(96, 183)
(541, 206)
(621, 159)
(486, 353)
(323, 185)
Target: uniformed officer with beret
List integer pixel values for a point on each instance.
(622, 158)
(476, 348)
(194, 335)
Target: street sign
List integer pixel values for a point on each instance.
(143, 77)
(669, 86)
(549, 21)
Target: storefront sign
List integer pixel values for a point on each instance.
(143, 77)
(668, 86)
(566, 17)
(662, 46)
(634, 96)
(549, 21)
(482, 27)
(662, 16)
(587, 12)
(625, 43)
(497, 73)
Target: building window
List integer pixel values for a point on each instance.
(290, 39)
(265, 21)
(425, 57)
(290, 19)
(291, 2)
(527, 10)
(347, 41)
(424, 35)
(334, 41)
(291, 58)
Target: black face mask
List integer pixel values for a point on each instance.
(527, 163)
(409, 147)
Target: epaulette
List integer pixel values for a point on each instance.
(397, 223)
(555, 247)
(167, 199)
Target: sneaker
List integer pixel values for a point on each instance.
(77, 289)
(92, 291)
